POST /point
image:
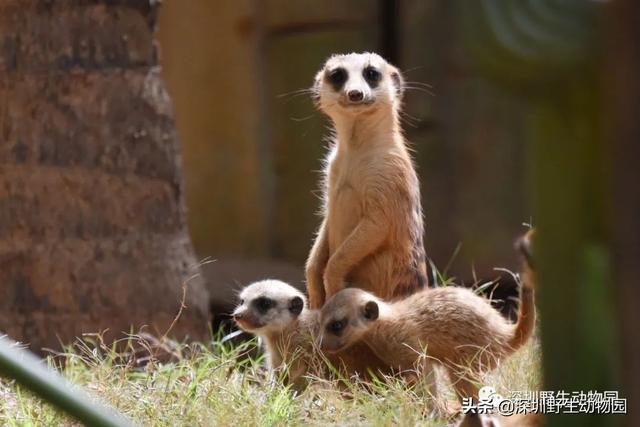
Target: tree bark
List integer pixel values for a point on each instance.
(92, 226)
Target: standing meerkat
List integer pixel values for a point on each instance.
(456, 327)
(371, 234)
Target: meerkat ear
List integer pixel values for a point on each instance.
(296, 304)
(370, 310)
(398, 82)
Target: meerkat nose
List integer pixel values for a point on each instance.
(355, 95)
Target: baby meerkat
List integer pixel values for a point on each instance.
(275, 312)
(456, 327)
(371, 235)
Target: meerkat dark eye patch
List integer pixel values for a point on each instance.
(337, 326)
(372, 76)
(296, 305)
(337, 78)
(263, 304)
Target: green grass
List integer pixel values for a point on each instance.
(214, 384)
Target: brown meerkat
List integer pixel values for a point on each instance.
(276, 312)
(456, 328)
(371, 234)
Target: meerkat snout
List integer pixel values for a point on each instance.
(357, 82)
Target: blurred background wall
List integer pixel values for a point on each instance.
(532, 111)
(253, 147)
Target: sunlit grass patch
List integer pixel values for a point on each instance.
(165, 384)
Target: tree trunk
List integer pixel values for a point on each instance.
(92, 228)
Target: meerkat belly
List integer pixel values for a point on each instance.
(389, 272)
(344, 214)
(395, 268)
(375, 274)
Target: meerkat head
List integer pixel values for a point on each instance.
(269, 306)
(346, 317)
(357, 83)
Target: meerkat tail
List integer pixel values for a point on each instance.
(527, 311)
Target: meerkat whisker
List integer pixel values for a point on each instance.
(419, 84)
(295, 93)
(302, 119)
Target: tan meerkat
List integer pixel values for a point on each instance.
(276, 312)
(456, 327)
(371, 234)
